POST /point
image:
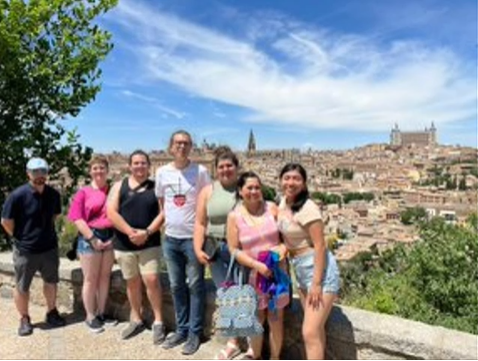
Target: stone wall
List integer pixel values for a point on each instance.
(351, 333)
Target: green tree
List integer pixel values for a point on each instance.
(462, 184)
(269, 193)
(50, 52)
(433, 281)
(413, 215)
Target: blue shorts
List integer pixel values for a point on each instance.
(84, 247)
(303, 266)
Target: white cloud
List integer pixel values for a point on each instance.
(155, 102)
(303, 77)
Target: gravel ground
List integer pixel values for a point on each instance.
(74, 341)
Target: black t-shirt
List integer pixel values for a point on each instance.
(34, 216)
(138, 209)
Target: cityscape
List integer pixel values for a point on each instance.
(411, 170)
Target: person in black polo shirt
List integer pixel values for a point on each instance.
(28, 216)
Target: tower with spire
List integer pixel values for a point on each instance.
(251, 146)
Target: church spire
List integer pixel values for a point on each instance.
(251, 146)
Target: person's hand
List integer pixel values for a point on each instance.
(95, 243)
(262, 269)
(281, 250)
(314, 296)
(202, 257)
(139, 237)
(104, 246)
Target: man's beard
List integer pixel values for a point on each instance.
(39, 181)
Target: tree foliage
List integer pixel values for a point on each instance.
(413, 215)
(358, 196)
(327, 198)
(50, 52)
(269, 193)
(434, 281)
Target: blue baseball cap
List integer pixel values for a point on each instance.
(37, 163)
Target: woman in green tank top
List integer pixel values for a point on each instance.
(214, 204)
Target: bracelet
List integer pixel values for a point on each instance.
(90, 240)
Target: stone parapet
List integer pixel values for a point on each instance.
(351, 333)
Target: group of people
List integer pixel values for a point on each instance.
(205, 224)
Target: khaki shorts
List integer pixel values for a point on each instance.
(134, 263)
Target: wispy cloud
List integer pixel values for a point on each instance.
(304, 76)
(155, 102)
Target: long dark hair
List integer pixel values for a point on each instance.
(303, 196)
(241, 181)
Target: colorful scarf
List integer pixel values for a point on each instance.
(277, 285)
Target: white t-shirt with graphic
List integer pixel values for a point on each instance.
(180, 189)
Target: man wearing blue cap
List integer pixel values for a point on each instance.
(28, 216)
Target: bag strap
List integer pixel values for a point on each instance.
(229, 270)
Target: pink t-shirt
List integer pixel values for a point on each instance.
(89, 204)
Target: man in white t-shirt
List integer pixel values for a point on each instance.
(177, 187)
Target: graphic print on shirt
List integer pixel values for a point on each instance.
(179, 192)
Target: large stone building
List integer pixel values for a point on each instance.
(427, 137)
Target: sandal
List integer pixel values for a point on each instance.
(229, 352)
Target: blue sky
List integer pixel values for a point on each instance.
(326, 74)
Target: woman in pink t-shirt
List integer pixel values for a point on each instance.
(95, 249)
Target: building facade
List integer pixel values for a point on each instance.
(427, 137)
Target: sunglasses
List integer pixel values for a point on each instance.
(39, 172)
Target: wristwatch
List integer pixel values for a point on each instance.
(148, 232)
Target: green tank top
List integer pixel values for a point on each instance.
(220, 203)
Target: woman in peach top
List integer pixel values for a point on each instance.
(315, 268)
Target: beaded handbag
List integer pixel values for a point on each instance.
(237, 306)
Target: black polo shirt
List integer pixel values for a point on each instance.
(34, 217)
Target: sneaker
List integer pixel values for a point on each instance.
(132, 329)
(26, 327)
(54, 319)
(174, 339)
(95, 325)
(159, 334)
(107, 320)
(191, 345)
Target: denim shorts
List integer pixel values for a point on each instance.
(303, 266)
(84, 247)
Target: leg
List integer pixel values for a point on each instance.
(135, 297)
(21, 301)
(149, 269)
(197, 289)
(255, 343)
(276, 332)
(90, 265)
(313, 328)
(107, 261)
(129, 264)
(176, 262)
(25, 267)
(220, 265)
(48, 267)
(49, 291)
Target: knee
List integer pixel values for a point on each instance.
(311, 334)
(151, 281)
